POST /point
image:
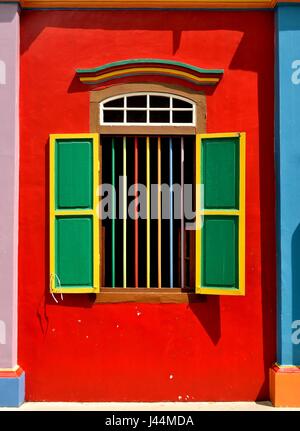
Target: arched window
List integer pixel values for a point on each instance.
(147, 109)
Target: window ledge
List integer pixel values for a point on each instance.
(153, 295)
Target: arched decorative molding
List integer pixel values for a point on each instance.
(150, 68)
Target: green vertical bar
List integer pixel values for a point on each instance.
(171, 210)
(113, 222)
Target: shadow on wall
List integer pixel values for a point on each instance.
(86, 301)
(8, 12)
(207, 311)
(248, 57)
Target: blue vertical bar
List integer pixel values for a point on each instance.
(171, 209)
(287, 156)
(113, 222)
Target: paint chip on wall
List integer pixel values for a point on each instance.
(2, 72)
(2, 332)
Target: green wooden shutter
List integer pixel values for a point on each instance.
(220, 236)
(74, 224)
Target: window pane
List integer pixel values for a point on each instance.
(177, 103)
(159, 117)
(159, 102)
(136, 116)
(117, 103)
(182, 116)
(113, 116)
(137, 102)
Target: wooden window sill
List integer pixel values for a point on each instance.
(152, 295)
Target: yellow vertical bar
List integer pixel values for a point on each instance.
(52, 211)
(242, 245)
(124, 213)
(159, 210)
(198, 241)
(96, 254)
(148, 208)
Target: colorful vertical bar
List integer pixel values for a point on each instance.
(159, 211)
(148, 207)
(124, 213)
(113, 222)
(182, 212)
(136, 222)
(171, 209)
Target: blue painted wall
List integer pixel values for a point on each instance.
(288, 182)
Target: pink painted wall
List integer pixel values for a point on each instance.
(9, 181)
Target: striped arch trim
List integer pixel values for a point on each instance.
(183, 72)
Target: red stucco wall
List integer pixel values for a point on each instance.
(219, 349)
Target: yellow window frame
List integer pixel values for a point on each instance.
(240, 213)
(93, 212)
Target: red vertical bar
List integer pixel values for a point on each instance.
(136, 223)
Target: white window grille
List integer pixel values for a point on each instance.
(140, 109)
